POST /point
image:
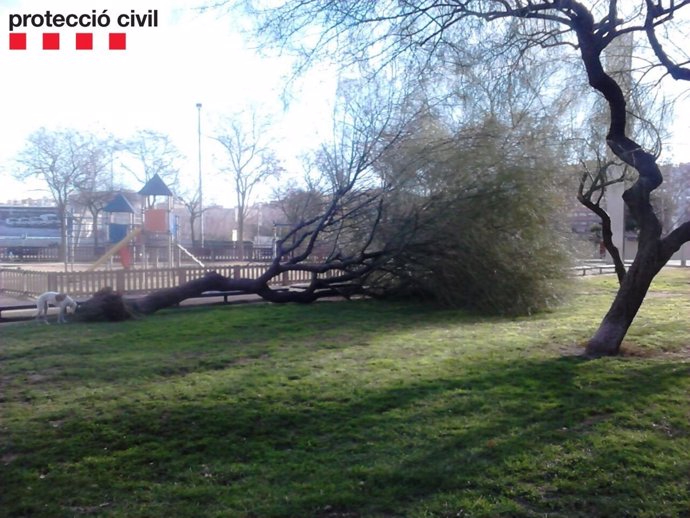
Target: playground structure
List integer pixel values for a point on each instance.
(146, 240)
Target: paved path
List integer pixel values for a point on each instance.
(6, 300)
(10, 300)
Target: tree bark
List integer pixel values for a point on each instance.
(109, 305)
(94, 228)
(240, 232)
(653, 251)
(62, 249)
(192, 220)
(631, 293)
(606, 236)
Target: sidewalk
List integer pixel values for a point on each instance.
(26, 314)
(10, 300)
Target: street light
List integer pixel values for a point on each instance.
(201, 203)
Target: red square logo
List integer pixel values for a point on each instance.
(17, 41)
(51, 41)
(117, 41)
(84, 41)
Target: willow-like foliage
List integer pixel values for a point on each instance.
(483, 231)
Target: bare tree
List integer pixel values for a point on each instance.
(298, 203)
(251, 162)
(192, 201)
(593, 185)
(94, 201)
(152, 153)
(97, 189)
(68, 161)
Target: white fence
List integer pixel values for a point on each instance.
(81, 284)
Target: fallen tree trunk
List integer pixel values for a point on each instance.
(106, 304)
(110, 305)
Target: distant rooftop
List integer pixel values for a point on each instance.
(30, 202)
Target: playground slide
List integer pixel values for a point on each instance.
(125, 257)
(115, 249)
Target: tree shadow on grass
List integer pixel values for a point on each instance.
(560, 443)
(168, 345)
(511, 438)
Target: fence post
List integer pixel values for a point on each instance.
(120, 281)
(286, 280)
(235, 272)
(52, 281)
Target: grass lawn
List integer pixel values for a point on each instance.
(350, 409)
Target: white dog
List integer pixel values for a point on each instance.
(53, 298)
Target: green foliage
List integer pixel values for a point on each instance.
(484, 231)
(356, 409)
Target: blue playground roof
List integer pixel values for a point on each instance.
(119, 204)
(155, 187)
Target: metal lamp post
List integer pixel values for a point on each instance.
(201, 203)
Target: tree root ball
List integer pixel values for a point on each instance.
(105, 305)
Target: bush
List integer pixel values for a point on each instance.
(487, 235)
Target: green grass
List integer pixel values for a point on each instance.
(349, 409)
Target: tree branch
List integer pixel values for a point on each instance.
(653, 12)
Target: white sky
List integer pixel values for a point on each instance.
(156, 83)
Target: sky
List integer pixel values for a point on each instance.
(156, 82)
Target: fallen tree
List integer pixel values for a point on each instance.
(428, 34)
(107, 304)
(338, 246)
(341, 272)
(403, 209)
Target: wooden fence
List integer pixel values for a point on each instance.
(84, 284)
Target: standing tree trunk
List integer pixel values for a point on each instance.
(631, 293)
(653, 251)
(240, 232)
(62, 215)
(192, 220)
(94, 227)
